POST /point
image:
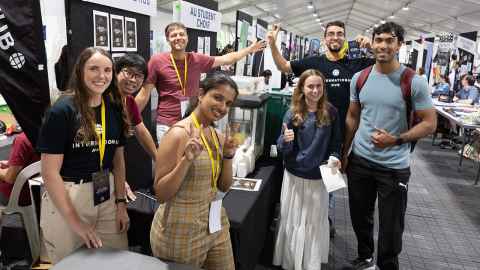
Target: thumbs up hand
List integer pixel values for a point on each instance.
(288, 134)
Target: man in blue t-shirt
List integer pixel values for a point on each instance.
(380, 159)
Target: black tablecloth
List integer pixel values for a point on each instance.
(106, 258)
(250, 214)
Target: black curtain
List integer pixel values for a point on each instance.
(23, 72)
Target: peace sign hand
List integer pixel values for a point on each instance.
(194, 146)
(229, 144)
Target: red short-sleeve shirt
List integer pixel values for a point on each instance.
(162, 74)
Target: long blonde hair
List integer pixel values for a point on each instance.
(299, 105)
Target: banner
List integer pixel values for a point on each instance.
(197, 17)
(147, 7)
(23, 74)
(466, 44)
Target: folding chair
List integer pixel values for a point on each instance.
(27, 213)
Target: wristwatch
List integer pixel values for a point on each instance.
(399, 141)
(120, 200)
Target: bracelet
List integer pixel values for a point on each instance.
(228, 157)
(120, 200)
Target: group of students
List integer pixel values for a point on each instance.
(83, 135)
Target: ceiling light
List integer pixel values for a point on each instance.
(317, 19)
(375, 25)
(310, 6)
(276, 15)
(391, 16)
(382, 21)
(405, 7)
(315, 14)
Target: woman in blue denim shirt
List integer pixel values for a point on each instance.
(468, 93)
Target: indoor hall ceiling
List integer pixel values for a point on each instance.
(422, 18)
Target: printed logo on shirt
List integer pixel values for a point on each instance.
(336, 72)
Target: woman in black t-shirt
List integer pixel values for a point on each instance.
(81, 141)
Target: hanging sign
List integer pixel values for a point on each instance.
(147, 7)
(197, 17)
(466, 44)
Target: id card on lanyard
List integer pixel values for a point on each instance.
(215, 213)
(100, 179)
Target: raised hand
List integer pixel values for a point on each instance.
(273, 34)
(258, 46)
(288, 134)
(229, 144)
(194, 145)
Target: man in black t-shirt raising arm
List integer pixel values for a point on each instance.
(337, 68)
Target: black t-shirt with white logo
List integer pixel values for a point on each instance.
(61, 134)
(338, 75)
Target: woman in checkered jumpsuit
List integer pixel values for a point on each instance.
(184, 182)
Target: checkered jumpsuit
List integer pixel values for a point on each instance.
(179, 230)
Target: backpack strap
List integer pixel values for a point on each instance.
(406, 87)
(362, 78)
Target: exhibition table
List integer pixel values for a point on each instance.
(107, 258)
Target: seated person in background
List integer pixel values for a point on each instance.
(442, 87)
(266, 74)
(21, 155)
(469, 93)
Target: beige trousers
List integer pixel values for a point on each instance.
(60, 240)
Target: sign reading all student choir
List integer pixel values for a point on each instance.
(197, 17)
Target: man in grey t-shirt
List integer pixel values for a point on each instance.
(380, 159)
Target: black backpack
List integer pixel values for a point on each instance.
(406, 86)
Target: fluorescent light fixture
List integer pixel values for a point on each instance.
(310, 6)
(315, 14)
(405, 7)
(276, 15)
(317, 19)
(382, 21)
(391, 16)
(375, 25)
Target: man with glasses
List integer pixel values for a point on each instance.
(131, 71)
(379, 164)
(337, 68)
(176, 75)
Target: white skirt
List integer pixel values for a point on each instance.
(303, 236)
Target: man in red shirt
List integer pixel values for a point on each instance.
(176, 75)
(21, 155)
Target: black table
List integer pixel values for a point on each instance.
(106, 258)
(250, 215)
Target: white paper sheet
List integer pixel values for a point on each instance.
(332, 181)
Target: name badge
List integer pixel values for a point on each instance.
(184, 106)
(215, 214)
(101, 187)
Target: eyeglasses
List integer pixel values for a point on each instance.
(337, 34)
(132, 75)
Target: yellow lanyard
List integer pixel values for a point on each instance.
(184, 84)
(101, 140)
(215, 162)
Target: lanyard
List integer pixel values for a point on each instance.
(184, 84)
(101, 140)
(215, 168)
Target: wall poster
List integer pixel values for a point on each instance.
(101, 37)
(131, 34)
(118, 33)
